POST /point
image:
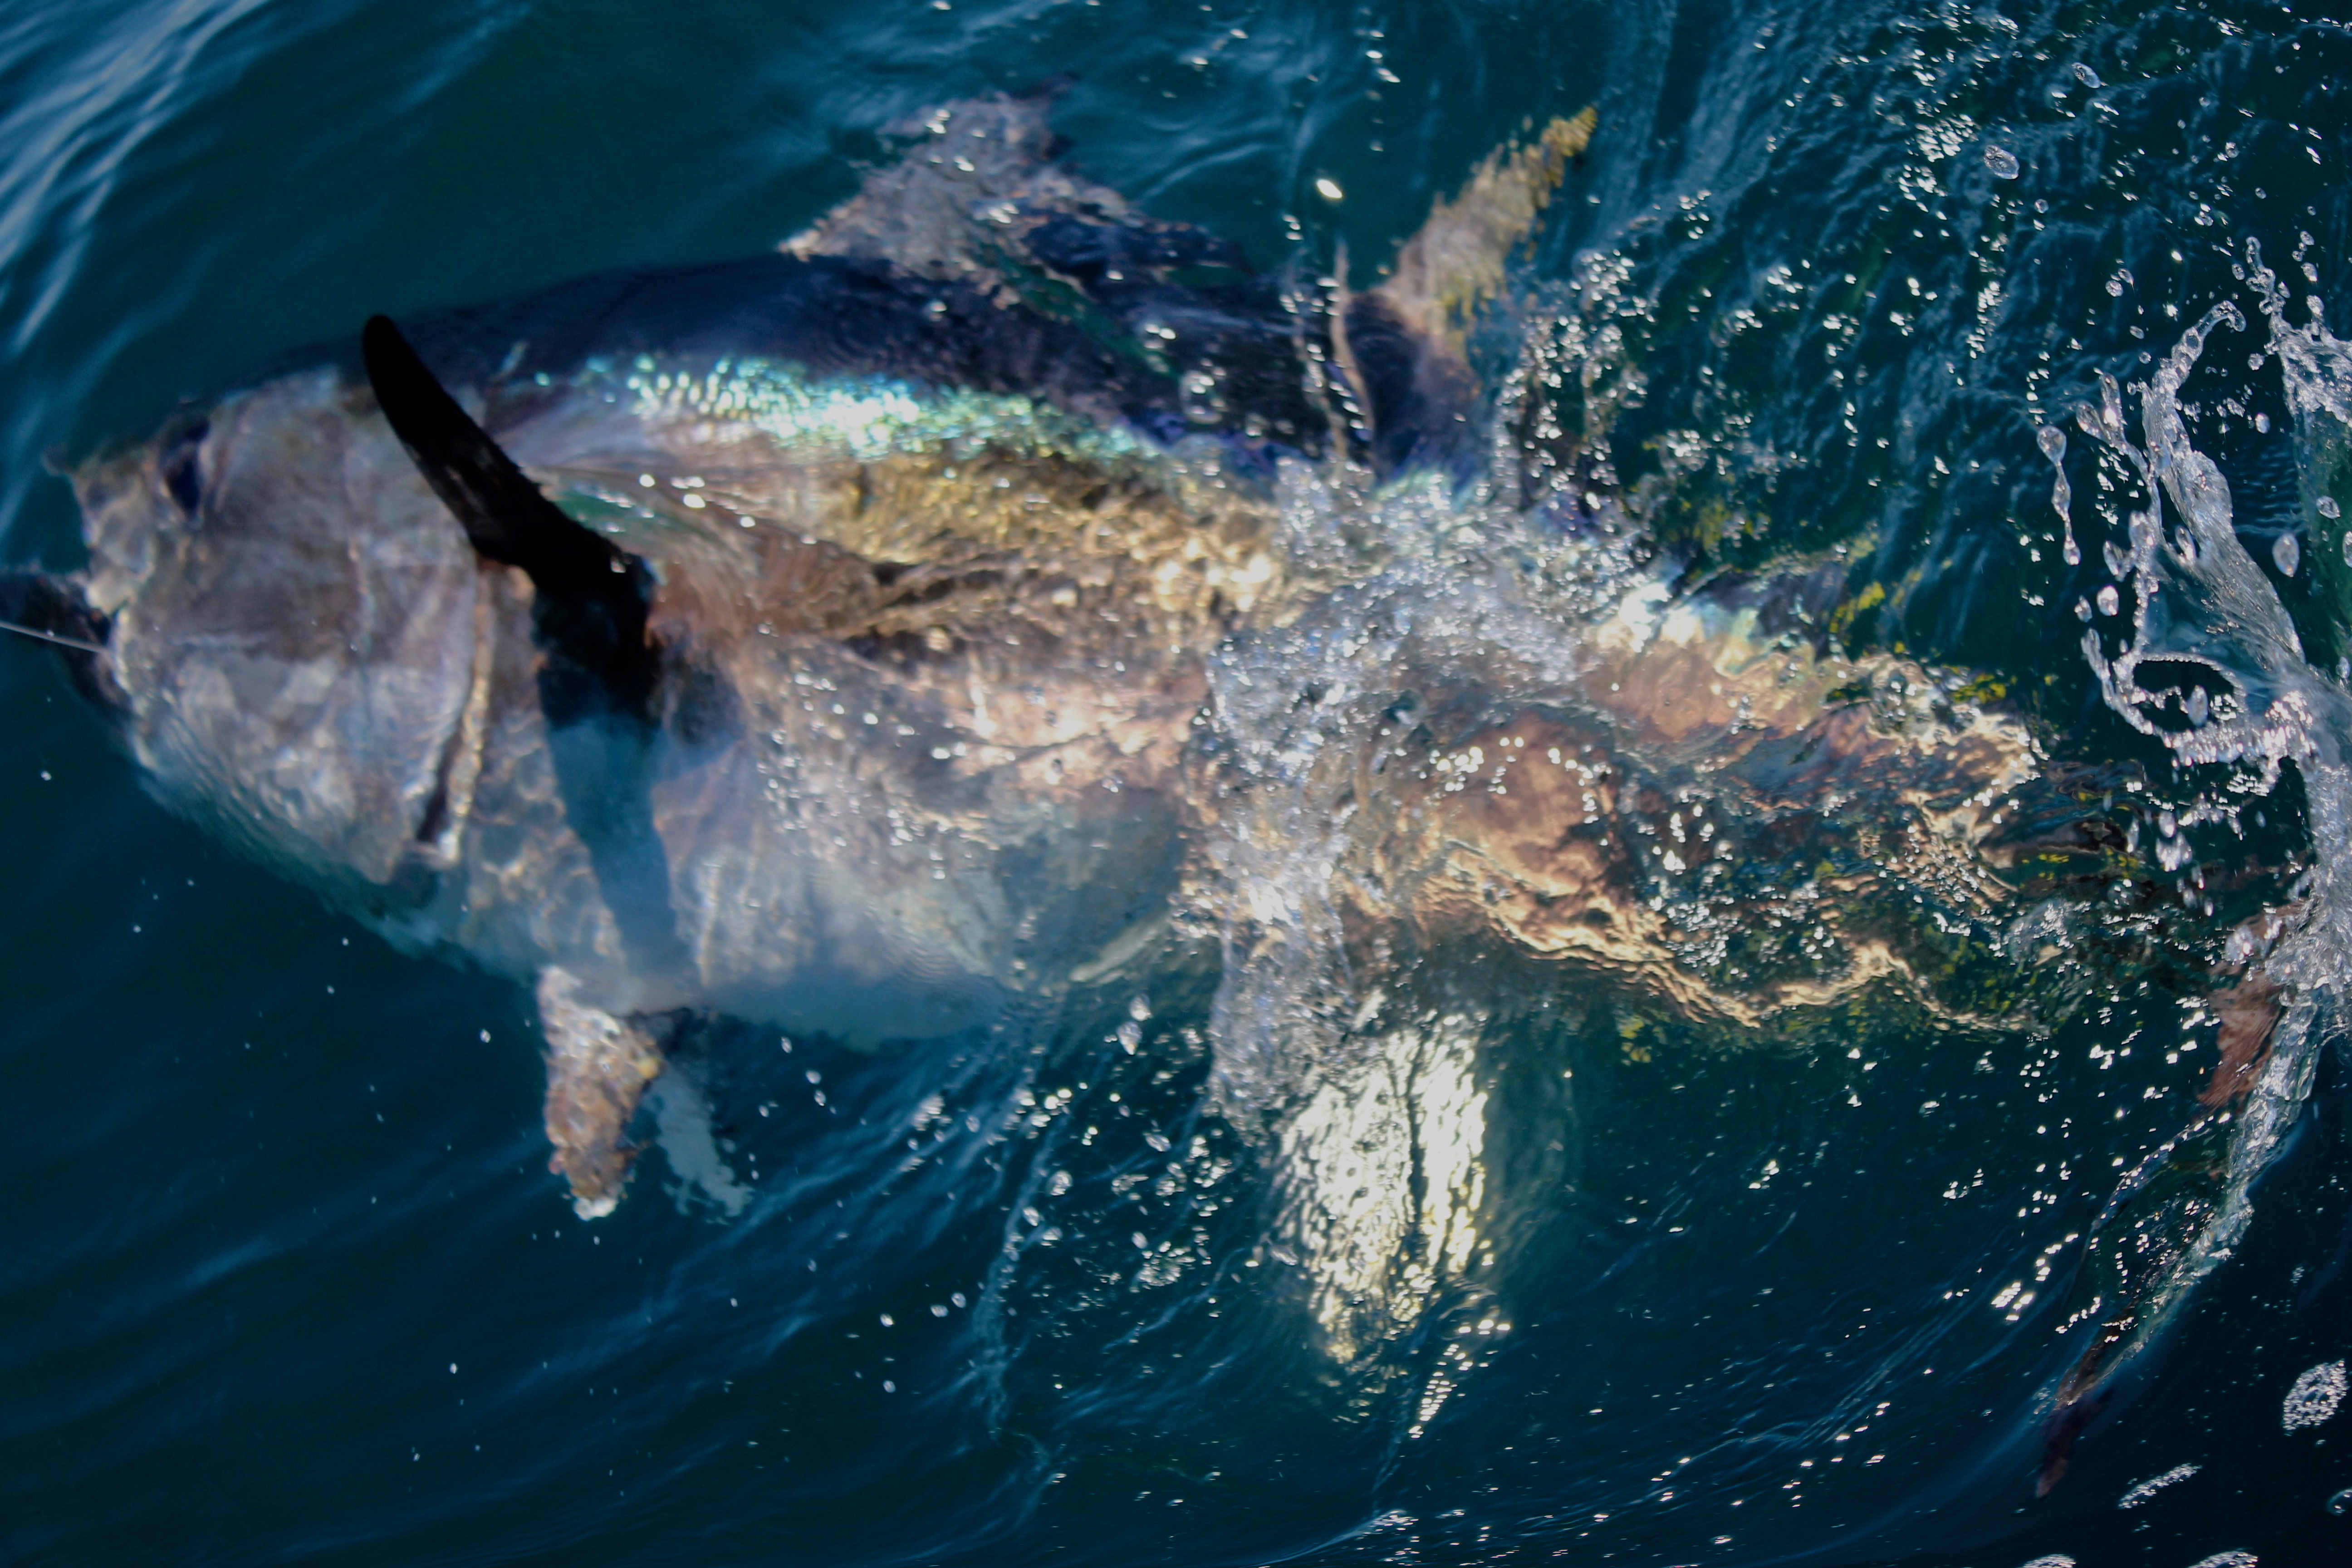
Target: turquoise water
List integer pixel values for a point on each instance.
(282, 1277)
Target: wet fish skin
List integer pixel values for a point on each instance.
(291, 634)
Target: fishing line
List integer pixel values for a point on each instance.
(51, 637)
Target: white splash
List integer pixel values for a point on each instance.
(2203, 601)
(2140, 1491)
(1297, 707)
(2314, 1397)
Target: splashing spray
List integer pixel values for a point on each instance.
(2202, 601)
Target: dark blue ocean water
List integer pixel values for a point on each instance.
(283, 1277)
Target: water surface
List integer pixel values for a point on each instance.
(285, 1279)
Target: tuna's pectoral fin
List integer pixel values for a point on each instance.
(589, 603)
(591, 595)
(1404, 344)
(598, 1065)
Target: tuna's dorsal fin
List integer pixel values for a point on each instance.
(590, 594)
(940, 207)
(977, 193)
(1456, 263)
(1402, 345)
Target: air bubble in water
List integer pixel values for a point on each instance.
(2086, 76)
(2002, 161)
(2327, 506)
(2341, 1502)
(2287, 551)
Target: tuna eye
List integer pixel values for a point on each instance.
(182, 469)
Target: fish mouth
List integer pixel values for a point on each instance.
(51, 609)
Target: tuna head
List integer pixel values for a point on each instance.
(292, 624)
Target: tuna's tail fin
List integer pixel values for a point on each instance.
(1404, 344)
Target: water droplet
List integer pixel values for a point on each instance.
(2199, 707)
(2053, 442)
(2262, 423)
(1328, 190)
(2341, 1502)
(2002, 161)
(2086, 76)
(2287, 551)
(2108, 600)
(2327, 506)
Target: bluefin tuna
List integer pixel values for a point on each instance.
(859, 639)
